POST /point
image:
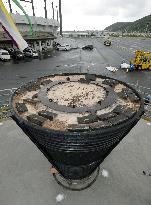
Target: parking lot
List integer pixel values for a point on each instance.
(77, 60)
(14, 74)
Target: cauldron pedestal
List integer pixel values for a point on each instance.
(77, 185)
(76, 120)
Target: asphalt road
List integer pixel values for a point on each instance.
(12, 75)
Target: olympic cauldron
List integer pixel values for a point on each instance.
(76, 120)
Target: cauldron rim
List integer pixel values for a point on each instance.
(14, 115)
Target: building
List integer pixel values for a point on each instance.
(76, 34)
(44, 31)
(80, 34)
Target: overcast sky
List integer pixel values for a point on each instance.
(91, 14)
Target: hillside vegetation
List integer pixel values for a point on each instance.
(142, 25)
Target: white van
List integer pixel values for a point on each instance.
(4, 55)
(65, 47)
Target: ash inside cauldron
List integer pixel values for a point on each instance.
(76, 120)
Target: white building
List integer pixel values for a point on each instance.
(39, 24)
(44, 31)
(79, 34)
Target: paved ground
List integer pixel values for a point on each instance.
(13, 75)
(25, 177)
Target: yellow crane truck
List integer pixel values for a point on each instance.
(141, 61)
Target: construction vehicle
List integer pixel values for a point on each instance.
(107, 42)
(141, 61)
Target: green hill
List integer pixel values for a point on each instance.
(119, 26)
(142, 25)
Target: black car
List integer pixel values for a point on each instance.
(107, 43)
(28, 52)
(88, 47)
(18, 55)
(15, 54)
(55, 45)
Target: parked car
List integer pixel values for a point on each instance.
(107, 42)
(28, 52)
(4, 55)
(55, 45)
(18, 55)
(35, 54)
(15, 54)
(10, 50)
(88, 47)
(65, 47)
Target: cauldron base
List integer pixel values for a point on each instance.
(77, 185)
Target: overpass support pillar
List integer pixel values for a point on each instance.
(35, 45)
(40, 46)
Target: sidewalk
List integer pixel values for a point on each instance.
(25, 178)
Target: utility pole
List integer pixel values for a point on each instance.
(10, 7)
(33, 9)
(60, 16)
(45, 7)
(53, 13)
(57, 13)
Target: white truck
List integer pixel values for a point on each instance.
(4, 55)
(65, 47)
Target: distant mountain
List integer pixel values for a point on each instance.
(119, 26)
(142, 25)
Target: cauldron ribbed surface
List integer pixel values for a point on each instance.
(77, 153)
